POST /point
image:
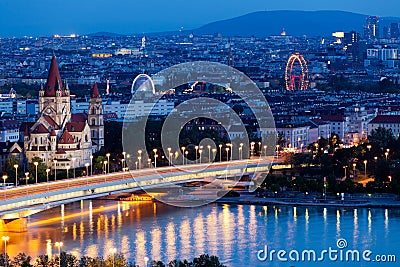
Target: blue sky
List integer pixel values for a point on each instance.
(46, 17)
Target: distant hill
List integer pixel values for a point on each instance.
(296, 23)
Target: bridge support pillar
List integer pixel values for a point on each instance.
(14, 225)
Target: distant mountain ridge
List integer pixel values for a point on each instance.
(296, 23)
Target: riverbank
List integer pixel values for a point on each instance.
(353, 203)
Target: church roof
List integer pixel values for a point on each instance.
(78, 117)
(51, 121)
(95, 91)
(66, 138)
(40, 129)
(53, 80)
(75, 126)
(60, 151)
(53, 132)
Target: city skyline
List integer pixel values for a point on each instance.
(125, 17)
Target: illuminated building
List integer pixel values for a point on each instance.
(58, 136)
(371, 29)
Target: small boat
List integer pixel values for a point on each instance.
(134, 197)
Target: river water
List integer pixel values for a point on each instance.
(234, 233)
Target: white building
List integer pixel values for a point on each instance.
(389, 122)
(295, 136)
(9, 131)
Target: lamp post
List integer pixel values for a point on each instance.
(124, 154)
(36, 166)
(91, 165)
(73, 166)
(200, 151)
(183, 155)
(87, 169)
(16, 174)
(345, 171)
(241, 151)
(265, 151)
(136, 163)
(55, 170)
(67, 167)
(113, 251)
(105, 166)
(26, 178)
(227, 153)
(196, 148)
(169, 156)
(209, 153)
(47, 174)
(214, 150)
(108, 162)
(365, 168)
(231, 149)
(59, 245)
(140, 157)
(220, 152)
(369, 148)
(5, 239)
(155, 157)
(252, 148)
(4, 185)
(186, 155)
(146, 260)
(149, 162)
(277, 151)
(386, 155)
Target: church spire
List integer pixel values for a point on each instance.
(95, 91)
(53, 80)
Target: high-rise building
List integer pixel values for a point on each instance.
(371, 29)
(351, 37)
(394, 30)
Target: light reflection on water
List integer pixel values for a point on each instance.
(234, 233)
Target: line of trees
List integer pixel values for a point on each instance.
(116, 260)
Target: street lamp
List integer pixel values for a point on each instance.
(227, 153)
(5, 239)
(91, 164)
(277, 151)
(386, 154)
(136, 163)
(365, 168)
(26, 177)
(231, 148)
(241, 151)
(105, 166)
(186, 155)
(214, 150)
(252, 148)
(47, 174)
(73, 165)
(146, 260)
(196, 148)
(169, 156)
(209, 153)
(155, 157)
(113, 251)
(67, 167)
(59, 245)
(200, 151)
(36, 166)
(149, 162)
(55, 170)
(390, 178)
(16, 174)
(220, 152)
(4, 184)
(140, 160)
(345, 171)
(87, 169)
(183, 155)
(108, 162)
(369, 148)
(265, 150)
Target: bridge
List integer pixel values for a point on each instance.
(20, 202)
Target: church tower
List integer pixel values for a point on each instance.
(95, 119)
(54, 99)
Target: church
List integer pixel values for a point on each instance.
(61, 139)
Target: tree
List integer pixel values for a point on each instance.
(22, 260)
(116, 260)
(207, 261)
(157, 264)
(381, 138)
(44, 261)
(41, 169)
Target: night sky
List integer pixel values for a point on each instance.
(46, 17)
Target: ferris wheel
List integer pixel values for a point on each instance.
(296, 73)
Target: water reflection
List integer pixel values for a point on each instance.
(232, 232)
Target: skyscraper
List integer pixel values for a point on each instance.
(371, 29)
(394, 30)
